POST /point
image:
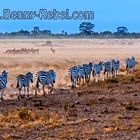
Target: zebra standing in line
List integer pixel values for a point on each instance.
(24, 81)
(130, 64)
(115, 67)
(81, 74)
(107, 68)
(3, 83)
(88, 70)
(73, 73)
(45, 78)
(97, 69)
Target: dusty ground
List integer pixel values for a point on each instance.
(105, 110)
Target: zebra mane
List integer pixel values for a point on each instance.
(4, 72)
(29, 73)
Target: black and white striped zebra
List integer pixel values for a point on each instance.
(24, 81)
(97, 69)
(81, 74)
(3, 83)
(115, 67)
(130, 64)
(88, 70)
(73, 73)
(107, 69)
(46, 78)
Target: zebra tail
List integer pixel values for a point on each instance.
(37, 82)
(17, 83)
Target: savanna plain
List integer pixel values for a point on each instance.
(104, 110)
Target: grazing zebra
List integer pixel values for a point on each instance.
(81, 74)
(115, 67)
(45, 78)
(24, 81)
(73, 73)
(3, 82)
(107, 68)
(88, 70)
(130, 64)
(97, 69)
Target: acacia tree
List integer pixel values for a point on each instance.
(122, 30)
(86, 28)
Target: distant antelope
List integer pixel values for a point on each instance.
(53, 50)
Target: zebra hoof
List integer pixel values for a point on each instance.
(29, 97)
(21, 96)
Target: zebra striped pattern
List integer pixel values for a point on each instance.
(97, 69)
(130, 64)
(73, 73)
(107, 68)
(24, 81)
(3, 82)
(45, 78)
(115, 67)
(88, 70)
(81, 74)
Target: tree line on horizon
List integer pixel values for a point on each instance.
(86, 30)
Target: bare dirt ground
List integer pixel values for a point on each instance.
(108, 110)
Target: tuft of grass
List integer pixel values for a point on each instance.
(113, 80)
(25, 114)
(132, 78)
(131, 107)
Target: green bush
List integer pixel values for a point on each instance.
(25, 114)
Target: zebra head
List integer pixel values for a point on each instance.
(101, 64)
(30, 76)
(90, 65)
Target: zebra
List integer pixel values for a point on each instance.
(97, 69)
(130, 64)
(115, 67)
(107, 68)
(81, 74)
(45, 78)
(88, 70)
(24, 81)
(73, 73)
(3, 83)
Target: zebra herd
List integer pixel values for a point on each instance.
(23, 81)
(22, 51)
(109, 69)
(77, 74)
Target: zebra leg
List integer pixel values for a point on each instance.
(35, 91)
(43, 88)
(2, 93)
(28, 95)
(107, 75)
(25, 91)
(72, 84)
(94, 77)
(19, 94)
(79, 80)
(51, 89)
(36, 88)
(83, 80)
(98, 77)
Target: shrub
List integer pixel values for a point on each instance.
(25, 114)
(113, 80)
